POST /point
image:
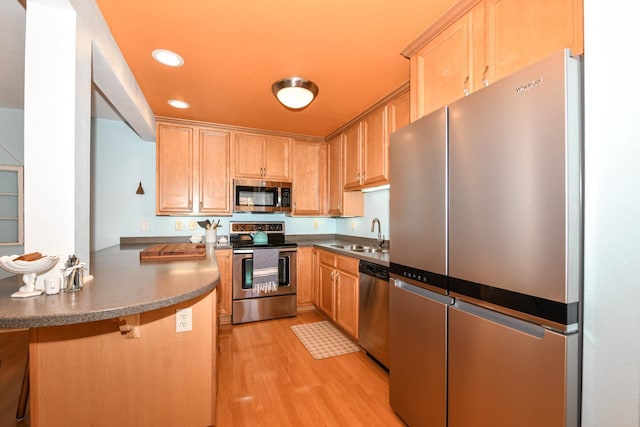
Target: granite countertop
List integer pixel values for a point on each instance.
(122, 286)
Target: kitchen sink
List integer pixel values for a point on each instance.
(352, 247)
(371, 250)
(361, 248)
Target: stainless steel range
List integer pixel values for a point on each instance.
(250, 304)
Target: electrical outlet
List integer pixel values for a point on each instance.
(192, 225)
(353, 225)
(183, 320)
(178, 225)
(144, 225)
(316, 224)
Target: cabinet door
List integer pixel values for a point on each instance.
(309, 178)
(375, 148)
(249, 155)
(346, 308)
(520, 32)
(399, 112)
(315, 294)
(441, 70)
(215, 177)
(325, 291)
(174, 169)
(277, 158)
(304, 276)
(223, 257)
(334, 175)
(352, 168)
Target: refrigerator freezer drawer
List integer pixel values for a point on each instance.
(505, 372)
(418, 354)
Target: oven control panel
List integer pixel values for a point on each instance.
(252, 227)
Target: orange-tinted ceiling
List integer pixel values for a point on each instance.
(234, 50)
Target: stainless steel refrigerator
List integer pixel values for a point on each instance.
(513, 253)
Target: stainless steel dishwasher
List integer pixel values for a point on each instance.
(373, 329)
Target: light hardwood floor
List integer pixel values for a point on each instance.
(267, 378)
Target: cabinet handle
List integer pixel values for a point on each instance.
(364, 177)
(337, 275)
(331, 275)
(465, 87)
(485, 82)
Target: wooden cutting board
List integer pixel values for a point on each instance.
(174, 251)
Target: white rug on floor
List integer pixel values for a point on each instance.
(323, 340)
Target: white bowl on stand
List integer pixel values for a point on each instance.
(29, 271)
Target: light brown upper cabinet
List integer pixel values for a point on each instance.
(340, 202)
(309, 183)
(478, 42)
(263, 157)
(367, 151)
(520, 32)
(399, 112)
(442, 70)
(192, 170)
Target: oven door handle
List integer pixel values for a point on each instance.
(250, 251)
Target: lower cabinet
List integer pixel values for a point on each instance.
(90, 374)
(338, 279)
(223, 256)
(304, 279)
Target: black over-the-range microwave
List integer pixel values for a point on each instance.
(251, 195)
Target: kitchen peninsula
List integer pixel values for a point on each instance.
(110, 354)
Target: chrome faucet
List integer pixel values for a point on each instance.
(373, 227)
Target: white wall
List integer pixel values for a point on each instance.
(611, 362)
(376, 206)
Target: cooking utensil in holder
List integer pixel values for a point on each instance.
(73, 274)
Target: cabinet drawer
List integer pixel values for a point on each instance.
(347, 264)
(327, 258)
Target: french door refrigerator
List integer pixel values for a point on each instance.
(515, 249)
(486, 259)
(418, 298)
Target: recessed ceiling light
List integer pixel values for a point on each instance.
(167, 57)
(175, 103)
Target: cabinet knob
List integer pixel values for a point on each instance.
(465, 87)
(485, 82)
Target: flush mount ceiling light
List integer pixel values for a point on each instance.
(175, 103)
(167, 57)
(295, 92)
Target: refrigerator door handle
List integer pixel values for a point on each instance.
(525, 327)
(425, 293)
